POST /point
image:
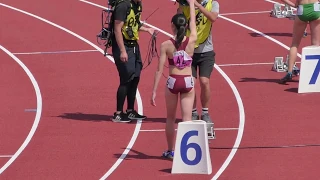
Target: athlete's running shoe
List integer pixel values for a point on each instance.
(168, 154)
(286, 78)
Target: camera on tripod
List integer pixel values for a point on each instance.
(107, 30)
(104, 34)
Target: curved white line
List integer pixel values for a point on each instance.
(235, 91)
(38, 113)
(138, 96)
(258, 32)
(271, 39)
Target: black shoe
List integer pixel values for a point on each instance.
(121, 118)
(286, 78)
(134, 115)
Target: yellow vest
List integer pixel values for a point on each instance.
(132, 22)
(202, 22)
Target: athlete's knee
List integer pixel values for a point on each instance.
(204, 82)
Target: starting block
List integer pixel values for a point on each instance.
(191, 154)
(310, 70)
(288, 11)
(211, 133)
(277, 11)
(279, 65)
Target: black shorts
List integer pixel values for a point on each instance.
(205, 62)
(131, 69)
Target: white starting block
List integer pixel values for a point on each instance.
(279, 65)
(191, 155)
(277, 11)
(288, 11)
(211, 133)
(309, 70)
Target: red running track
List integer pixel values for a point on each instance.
(76, 140)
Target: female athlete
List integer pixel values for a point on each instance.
(308, 11)
(179, 51)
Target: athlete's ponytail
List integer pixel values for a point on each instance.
(179, 21)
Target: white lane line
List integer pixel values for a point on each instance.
(220, 171)
(274, 2)
(138, 96)
(54, 52)
(30, 110)
(6, 156)
(241, 13)
(258, 32)
(161, 130)
(248, 64)
(38, 112)
(236, 93)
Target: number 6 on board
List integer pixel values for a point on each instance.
(192, 154)
(185, 146)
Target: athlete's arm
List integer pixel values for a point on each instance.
(158, 74)
(192, 24)
(289, 3)
(119, 18)
(211, 15)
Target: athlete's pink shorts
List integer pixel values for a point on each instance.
(180, 83)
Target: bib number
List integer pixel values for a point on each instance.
(300, 10)
(316, 7)
(170, 82)
(181, 59)
(189, 82)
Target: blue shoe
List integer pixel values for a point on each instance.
(168, 154)
(285, 79)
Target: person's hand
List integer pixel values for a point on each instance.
(153, 97)
(150, 31)
(191, 1)
(124, 56)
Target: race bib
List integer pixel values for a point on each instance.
(300, 10)
(181, 59)
(316, 7)
(170, 82)
(189, 82)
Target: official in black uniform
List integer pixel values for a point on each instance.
(126, 52)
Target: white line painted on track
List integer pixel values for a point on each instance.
(226, 163)
(38, 112)
(138, 96)
(241, 13)
(30, 110)
(248, 64)
(161, 130)
(55, 52)
(6, 156)
(238, 99)
(274, 2)
(258, 32)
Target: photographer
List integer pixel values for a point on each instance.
(126, 52)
